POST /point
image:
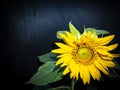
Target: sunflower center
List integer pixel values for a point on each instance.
(84, 54)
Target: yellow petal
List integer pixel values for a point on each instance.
(66, 39)
(63, 55)
(101, 68)
(97, 40)
(77, 71)
(64, 47)
(94, 34)
(112, 47)
(102, 48)
(61, 60)
(67, 60)
(89, 34)
(116, 55)
(60, 51)
(104, 57)
(107, 63)
(103, 52)
(81, 71)
(84, 74)
(66, 71)
(108, 48)
(64, 64)
(105, 67)
(94, 72)
(74, 67)
(63, 36)
(107, 39)
(72, 75)
(70, 36)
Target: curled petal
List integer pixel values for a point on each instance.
(101, 68)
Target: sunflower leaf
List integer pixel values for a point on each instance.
(48, 87)
(63, 32)
(113, 73)
(117, 64)
(90, 87)
(47, 57)
(89, 29)
(47, 73)
(74, 31)
(42, 87)
(99, 32)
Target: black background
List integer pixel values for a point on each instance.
(28, 29)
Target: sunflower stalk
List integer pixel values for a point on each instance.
(72, 84)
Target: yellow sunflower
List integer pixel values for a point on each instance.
(85, 55)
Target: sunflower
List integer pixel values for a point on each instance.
(85, 55)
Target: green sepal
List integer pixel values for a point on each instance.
(93, 30)
(47, 73)
(47, 57)
(58, 32)
(98, 32)
(86, 30)
(101, 32)
(74, 31)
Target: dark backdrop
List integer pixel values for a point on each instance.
(28, 29)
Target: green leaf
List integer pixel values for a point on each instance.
(42, 87)
(62, 88)
(47, 87)
(74, 31)
(117, 65)
(100, 32)
(63, 32)
(47, 73)
(93, 30)
(90, 87)
(113, 73)
(89, 29)
(48, 57)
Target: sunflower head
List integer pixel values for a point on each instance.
(85, 55)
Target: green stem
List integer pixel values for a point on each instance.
(62, 87)
(72, 84)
